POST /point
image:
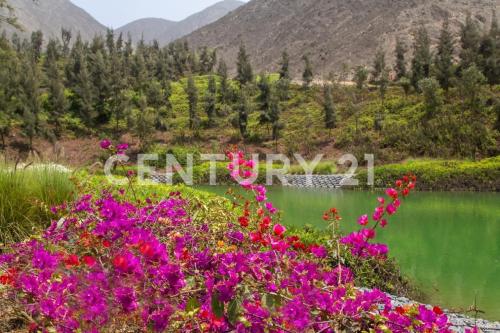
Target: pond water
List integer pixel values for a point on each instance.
(447, 243)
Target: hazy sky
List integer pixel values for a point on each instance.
(116, 13)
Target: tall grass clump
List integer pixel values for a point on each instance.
(26, 196)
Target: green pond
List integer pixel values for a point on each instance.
(447, 243)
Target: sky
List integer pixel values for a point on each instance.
(116, 13)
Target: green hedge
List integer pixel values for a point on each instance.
(442, 175)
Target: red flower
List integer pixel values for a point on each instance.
(437, 310)
(106, 243)
(279, 230)
(120, 262)
(400, 310)
(411, 186)
(244, 221)
(72, 260)
(326, 217)
(147, 250)
(399, 183)
(406, 192)
(89, 260)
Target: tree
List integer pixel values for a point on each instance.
(57, 103)
(489, 51)
(469, 40)
(400, 52)
(360, 77)
(329, 108)
(144, 122)
(244, 68)
(274, 117)
(444, 57)
(30, 98)
(285, 66)
(307, 75)
(379, 65)
(66, 40)
(405, 83)
(155, 99)
(470, 87)
(383, 84)
(210, 100)
(422, 58)
(224, 88)
(243, 110)
(432, 99)
(192, 93)
(208, 60)
(36, 44)
(264, 97)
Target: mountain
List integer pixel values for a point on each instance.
(332, 32)
(166, 31)
(50, 16)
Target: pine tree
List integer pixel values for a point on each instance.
(66, 40)
(154, 96)
(379, 65)
(30, 98)
(422, 57)
(144, 122)
(329, 108)
(400, 52)
(489, 51)
(57, 103)
(285, 66)
(208, 60)
(307, 75)
(243, 109)
(470, 87)
(224, 89)
(274, 117)
(210, 100)
(36, 44)
(192, 93)
(360, 77)
(244, 68)
(444, 57)
(432, 99)
(99, 77)
(469, 39)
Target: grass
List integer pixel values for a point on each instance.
(26, 196)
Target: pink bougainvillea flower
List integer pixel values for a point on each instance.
(279, 230)
(363, 220)
(105, 144)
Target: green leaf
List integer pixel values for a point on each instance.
(217, 306)
(192, 305)
(233, 311)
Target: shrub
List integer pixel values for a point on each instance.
(26, 196)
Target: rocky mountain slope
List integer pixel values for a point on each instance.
(50, 16)
(332, 32)
(166, 31)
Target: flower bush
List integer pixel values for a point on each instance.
(110, 265)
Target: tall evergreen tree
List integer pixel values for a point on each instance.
(30, 98)
(274, 117)
(307, 75)
(432, 99)
(36, 44)
(379, 65)
(144, 122)
(489, 51)
(243, 109)
(444, 57)
(192, 93)
(285, 66)
(244, 68)
(210, 100)
(360, 77)
(470, 39)
(329, 108)
(66, 40)
(57, 103)
(224, 89)
(400, 52)
(422, 57)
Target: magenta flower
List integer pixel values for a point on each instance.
(105, 144)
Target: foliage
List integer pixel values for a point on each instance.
(441, 175)
(26, 196)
